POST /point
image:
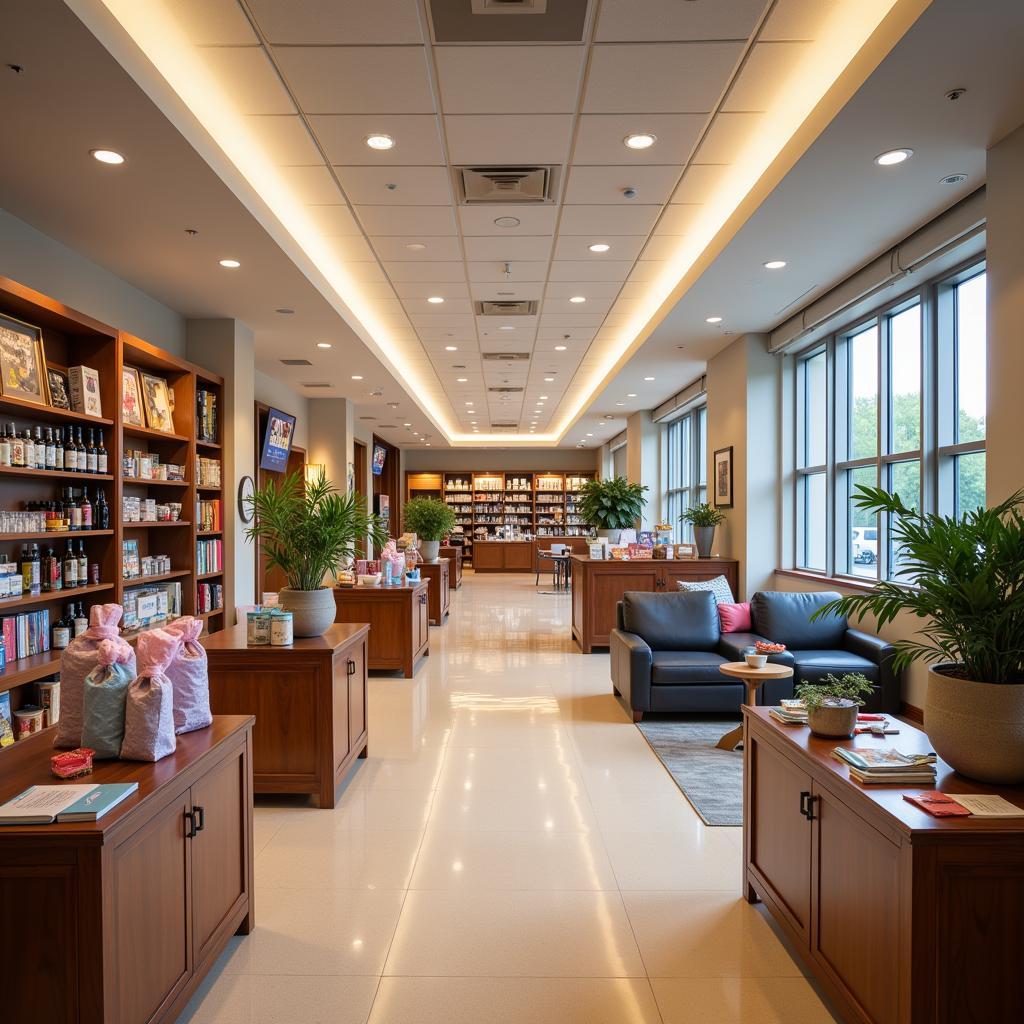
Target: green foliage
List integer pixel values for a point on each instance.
(613, 504)
(966, 577)
(702, 515)
(852, 686)
(428, 518)
(308, 530)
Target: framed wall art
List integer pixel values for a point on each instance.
(131, 397)
(22, 362)
(57, 381)
(723, 477)
(157, 403)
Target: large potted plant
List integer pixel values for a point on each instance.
(611, 506)
(703, 518)
(964, 576)
(431, 520)
(308, 530)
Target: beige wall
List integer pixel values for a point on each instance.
(643, 463)
(500, 459)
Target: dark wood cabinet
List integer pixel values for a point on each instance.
(454, 555)
(309, 700)
(439, 595)
(503, 555)
(598, 586)
(903, 918)
(398, 618)
(118, 921)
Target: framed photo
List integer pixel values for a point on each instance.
(22, 362)
(686, 550)
(723, 477)
(57, 381)
(156, 402)
(84, 387)
(131, 397)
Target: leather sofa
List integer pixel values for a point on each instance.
(666, 650)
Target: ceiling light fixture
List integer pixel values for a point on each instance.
(451, 348)
(620, 403)
(506, 327)
(107, 156)
(230, 264)
(406, 424)
(599, 247)
(578, 298)
(632, 394)
(712, 320)
(380, 141)
(415, 246)
(590, 435)
(507, 222)
(560, 348)
(548, 380)
(435, 300)
(891, 157)
(284, 311)
(355, 376)
(774, 264)
(323, 344)
(640, 140)
(461, 380)
(648, 378)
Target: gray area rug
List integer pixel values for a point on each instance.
(711, 779)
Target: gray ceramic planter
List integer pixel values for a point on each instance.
(834, 721)
(312, 610)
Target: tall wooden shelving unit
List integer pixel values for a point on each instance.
(71, 338)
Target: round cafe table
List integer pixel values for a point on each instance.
(753, 678)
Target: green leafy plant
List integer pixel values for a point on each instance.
(428, 518)
(613, 504)
(702, 515)
(832, 691)
(963, 575)
(308, 530)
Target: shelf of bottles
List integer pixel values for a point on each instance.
(457, 494)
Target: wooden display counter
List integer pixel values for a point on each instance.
(598, 586)
(902, 917)
(399, 621)
(118, 921)
(309, 700)
(503, 555)
(454, 555)
(439, 595)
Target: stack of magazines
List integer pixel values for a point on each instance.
(792, 712)
(887, 765)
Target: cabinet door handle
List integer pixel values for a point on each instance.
(199, 815)
(190, 832)
(351, 667)
(810, 807)
(805, 800)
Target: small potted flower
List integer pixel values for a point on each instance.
(832, 705)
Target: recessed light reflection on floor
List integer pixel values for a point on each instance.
(465, 700)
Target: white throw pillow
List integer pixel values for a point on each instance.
(719, 586)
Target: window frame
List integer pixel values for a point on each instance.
(688, 486)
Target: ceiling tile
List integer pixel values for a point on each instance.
(608, 220)
(339, 22)
(425, 271)
(671, 77)
(549, 336)
(423, 289)
(576, 247)
(343, 136)
(588, 289)
(334, 219)
(798, 19)
(653, 184)
(765, 74)
(518, 270)
(364, 271)
(357, 80)
(509, 79)
(595, 307)
(555, 320)
(698, 184)
(600, 138)
(508, 139)
(676, 220)
(728, 138)
(407, 220)
(506, 292)
(589, 270)
(285, 138)
(655, 20)
(533, 220)
(312, 185)
(423, 312)
(215, 23)
(479, 247)
(414, 186)
(352, 247)
(250, 78)
(438, 248)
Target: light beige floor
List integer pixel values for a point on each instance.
(511, 851)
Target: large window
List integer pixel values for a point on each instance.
(897, 401)
(685, 466)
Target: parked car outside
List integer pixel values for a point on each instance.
(864, 544)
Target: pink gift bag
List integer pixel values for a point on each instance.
(189, 678)
(78, 659)
(149, 714)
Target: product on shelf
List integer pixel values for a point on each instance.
(208, 514)
(209, 597)
(140, 465)
(206, 415)
(149, 604)
(207, 472)
(209, 555)
(84, 384)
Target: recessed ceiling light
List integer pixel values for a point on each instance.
(640, 140)
(323, 344)
(892, 157)
(472, 423)
(461, 380)
(713, 320)
(428, 444)
(632, 394)
(106, 156)
(774, 264)
(543, 398)
(620, 403)
(469, 403)
(230, 264)
(415, 246)
(380, 141)
(406, 424)
(599, 247)
(578, 298)
(548, 380)
(355, 376)
(560, 348)
(435, 299)
(451, 348)
(590, 435)
(507, 222)
(415, 433)
(506, 327)
(648, 378)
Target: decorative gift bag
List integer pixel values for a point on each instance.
(189, 677)
(149, 715)
(103, 699)
(79, 658)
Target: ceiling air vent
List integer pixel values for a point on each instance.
(296, 362)
(504, 426)
(505, 391)
(505, 357)
(513, 307)
(320, 384)
(506, 184)
(509, 6)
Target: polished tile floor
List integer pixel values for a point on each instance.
(510, 851)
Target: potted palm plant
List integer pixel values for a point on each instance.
(964, 577)
(431, 520)
(611, 506)
(703, 518)
(308, 530)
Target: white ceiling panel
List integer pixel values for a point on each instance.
(338, 22)
(641, 20)
(589, 270)
(334, 219)
(647, 270)
(798, 19)
(424, 312)
(764, 74)
(438, 248)
(354, 248)
(676, 220)
(509, 79)
(365, 272)
(577, 247)
(588, 289)
(435, 338)
(255, 85)
(407, 220)
(529, 247)
(343, 136)
(518, 270)
(698, 184)
(215, 23)
(358, 80)
(567, 320)
(447, 290)
(684, 78)
(458, 323)
(413, 186)
(599, 139)
(285, 138)
(727, 138)
(608, 220)
(533, 220)
(506, 292)
(312, 185)
(425, 271)
(653, 184)
(508, 138)
(592, 310)
(549, 336)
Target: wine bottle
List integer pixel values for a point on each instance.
(51, 450)
(17, 449)
(86, 509)
(28, 449)
(70, 567)
(62, 629)
(5, 447)
(70, 452)
(40, 444)
(101, 456)
(102, 517)
(83, 565)
(30, 572)
(90, 454)
(81, 622)
(56, 569)
(74, 511)
(82, 466)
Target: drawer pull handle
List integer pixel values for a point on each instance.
(351, 667)
(199, 814)
(810, 807)
(191, 831)
(805, 800)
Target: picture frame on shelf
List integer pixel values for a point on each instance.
(131, 397)
(156, 403)
(723, 477)
(60, 394)
(84, 390)
(22, 362)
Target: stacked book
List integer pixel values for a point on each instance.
(887, 765)
(792, 712)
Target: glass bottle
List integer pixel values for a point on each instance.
(17, 449)
(101, 455)
(82, 467)
(28, 450)
(5, 447)
(83, 565)
(51, 450)
(70, 567)
(81, 621)
(62, 629)
(86, 509)
(70, 452)
(90, 454)
(40, 444)
(101, 521)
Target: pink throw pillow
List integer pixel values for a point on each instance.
(735, 617)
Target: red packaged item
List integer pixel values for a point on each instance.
(937, 804)
(72, 763)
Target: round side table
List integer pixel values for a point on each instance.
(753, 678)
